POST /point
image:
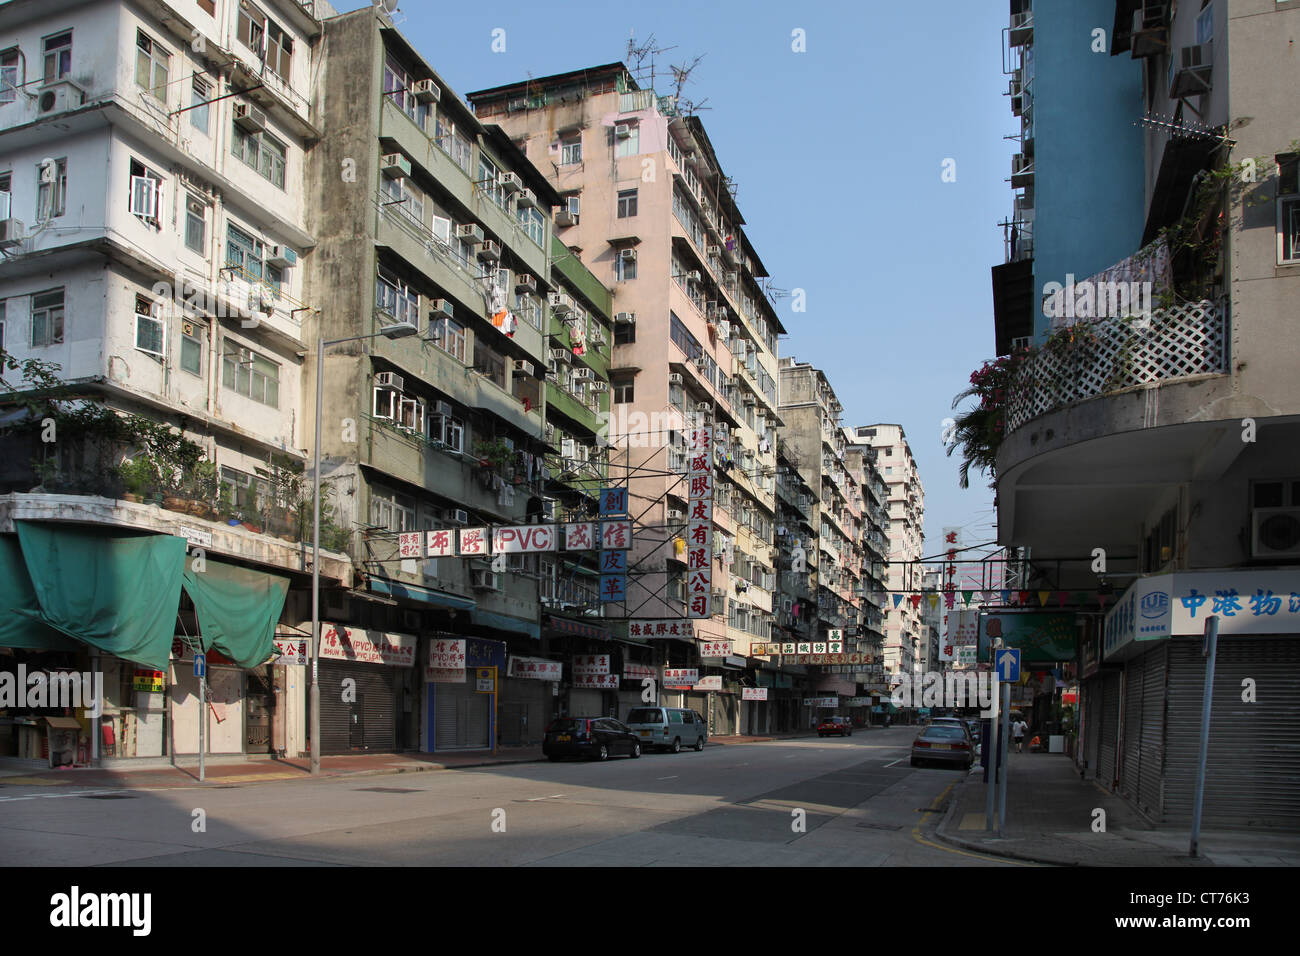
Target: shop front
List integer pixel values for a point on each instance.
(464, 678)
(363, 683)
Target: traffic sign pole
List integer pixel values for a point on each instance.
(1006, 759)
(200, 671)
(990, 744)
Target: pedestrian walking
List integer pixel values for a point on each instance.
(1018, 732)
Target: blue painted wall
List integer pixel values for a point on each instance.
(1088, 157)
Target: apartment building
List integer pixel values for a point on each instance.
(1166, 444)
(646, 205)
(153, 241)
(903, 627)
(872, 510)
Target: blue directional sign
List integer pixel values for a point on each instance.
(200, 665)
(1008, 666)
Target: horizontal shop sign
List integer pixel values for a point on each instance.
(515, 539)
(639, 672)
(290, 650)
(681, 676)
(784, 648)
(668, 628)
(601, 681)
(753, 693)
(342, 643)
(709, 683)
(821, 701)
(536, 668)
(715, 648)
(588, 664)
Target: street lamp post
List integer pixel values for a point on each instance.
(395, 331)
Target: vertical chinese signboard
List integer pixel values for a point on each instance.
(615, 539)
(699, 525)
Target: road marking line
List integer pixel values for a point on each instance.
(551, 797)
(934, 807)
(673, 777)
(899, 760)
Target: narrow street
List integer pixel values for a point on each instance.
(729, 805)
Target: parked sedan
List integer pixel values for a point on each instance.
(943, 743)
(597, 738)
(839, 726)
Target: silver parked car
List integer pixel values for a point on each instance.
(668, 728)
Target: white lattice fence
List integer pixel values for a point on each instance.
(1188, 340)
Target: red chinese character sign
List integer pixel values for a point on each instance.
(615, 539)
(699, 525)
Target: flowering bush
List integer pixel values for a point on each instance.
(978, 431)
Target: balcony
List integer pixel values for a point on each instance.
(1187, 341)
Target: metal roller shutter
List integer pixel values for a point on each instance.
(1251, 775)
(627, 700)
(1131, 732)
(461, 717)
(1108, 737)
(1091, 723)
(367, 723)
(586, 703)
(1152, 737)
(525, 709)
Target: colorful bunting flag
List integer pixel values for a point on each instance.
(1043, 597)
(916, 601)
(898, 599)
(966, 596)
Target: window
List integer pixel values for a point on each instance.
(529, 308)
(51, 194)
(151, 66)
(252, 28)
(47, 318)
(2, 332)
(200, 92)
(196, 225)
(448, 431)
(6, 200)
(625, 264)
(630, 144)
(209, 7)
(9, 76)
(450, 337)
(262, 151)
(398, 88)
(571, 150)
(150, 332)
(192, 348)
(397, 298)
(624, 333)
(250, 374)
(57, 51)
(533, 223)
(1205, 25)
(622, 391)
(489, 180)
(626, 203)
(146, 194)
(392, 512)
(1288, 209)
(243, 252)
(279, 50)
(489, 364)
(401, 195)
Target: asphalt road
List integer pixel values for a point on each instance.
(811, 802)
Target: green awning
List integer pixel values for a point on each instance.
(114, 591)
(23, 629)
(237, 609)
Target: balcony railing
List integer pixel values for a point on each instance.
(1122, 353)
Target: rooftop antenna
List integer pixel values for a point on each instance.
(637, 55)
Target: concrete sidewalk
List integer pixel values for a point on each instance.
(1050, 814)
(226, 771)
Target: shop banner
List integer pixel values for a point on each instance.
(616, 535)
(580, 536)
(821, 702)
(410, 544)
(447, 660)
(858, 702)
(290, 651)
(1041, 636)
(709, 683)
(670, 628)
(342, 643)
(525, 539)
(681, 676)
(753, 693)
(147, 680)
(640, 672)
(600, 681)
(473, 541)
(588, 664)
(536, 668)
(715, 648)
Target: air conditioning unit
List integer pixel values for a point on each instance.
(561, 303)
(693, 275)
(11, 233)
(443, 408)
(510, 182)
(566, 218)
(1275, 532)
(676, 514)
(389, 380)
(482, 580)
(471, 231)
(627, 255)
(517, 104)
(249, 118)
(525, 283)
(713, 250)
(526, 368)
(1192, 75)
(622, 130)
(442, 308)
(489, 250)
(701, 361)
(561, 355)
(704, 406)
(59, 96)
(600, 386)
(674, 378)
(395, 166)
(282, 257)
(426, 91)
(624, 318)
(526, 199)
(582, 374)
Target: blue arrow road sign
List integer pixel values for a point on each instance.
(1009, 665)
(200, 665)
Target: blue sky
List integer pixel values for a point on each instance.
(838, 154)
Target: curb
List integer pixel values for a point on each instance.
(941, 834)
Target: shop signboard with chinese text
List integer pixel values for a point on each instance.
(342, 643)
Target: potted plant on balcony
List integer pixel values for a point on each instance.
(138, 476)
(493, 457)
(979, 431)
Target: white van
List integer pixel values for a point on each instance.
(667, 728)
